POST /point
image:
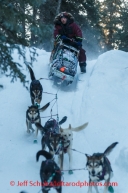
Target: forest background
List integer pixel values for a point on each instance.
(29, 23)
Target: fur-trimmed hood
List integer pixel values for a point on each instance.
(57, 20)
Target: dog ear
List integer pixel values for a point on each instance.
(70, 126)
(101, 158)
(87, 156)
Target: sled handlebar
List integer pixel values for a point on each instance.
(72, 40)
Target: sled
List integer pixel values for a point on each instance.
(64, 63)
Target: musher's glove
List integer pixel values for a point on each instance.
(79, 44)
(63, 37)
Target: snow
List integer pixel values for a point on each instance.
(122, 159)
(99, 97)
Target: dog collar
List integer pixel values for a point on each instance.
(65, 148)
(50, 178)
(59, 149)
(106, 161)
(37, 105)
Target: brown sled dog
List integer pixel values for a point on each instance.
(33, 117)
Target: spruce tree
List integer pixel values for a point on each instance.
(13, 37)
(111, 20)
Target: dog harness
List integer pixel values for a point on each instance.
(62, 147)
(59, 149)
(50, 161)
(66, 147)
(101, 175)
(51, 126)
(36, 85)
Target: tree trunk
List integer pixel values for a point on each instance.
(58, 7)
(33, 36)
(23, 21)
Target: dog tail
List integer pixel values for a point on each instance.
(79, 128)
(44, 107)
(110, 148)
(62, 120)
(32, 75)
(44, 153)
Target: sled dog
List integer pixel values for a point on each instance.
(99, 168)
(51, 134)
(36, 89)
(50, 173)
(67, 139)
(59, 143)
(33, 117)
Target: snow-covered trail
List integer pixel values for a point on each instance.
(100, 98)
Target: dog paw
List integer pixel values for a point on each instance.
(70, 172)
(35, 141)
(110, 189)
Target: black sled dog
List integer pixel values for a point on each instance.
(36, 89)
(50, 173)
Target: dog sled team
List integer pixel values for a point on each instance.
(57, 141)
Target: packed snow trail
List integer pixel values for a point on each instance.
(100, 98)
